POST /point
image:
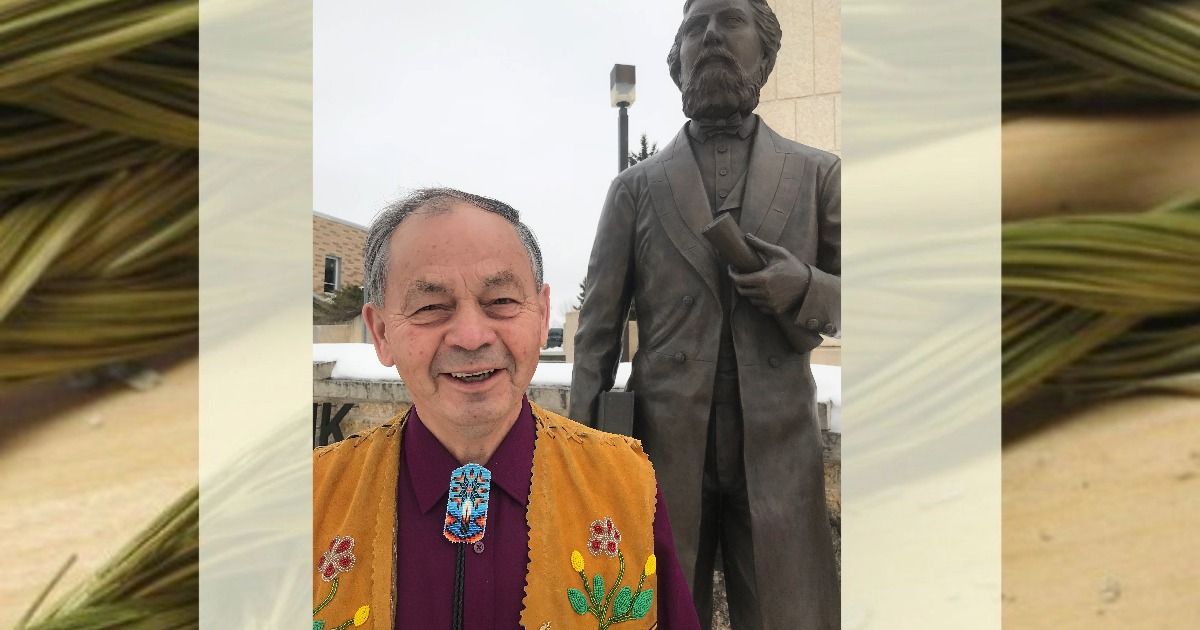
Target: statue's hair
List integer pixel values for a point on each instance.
(432, 201)
(770, 35)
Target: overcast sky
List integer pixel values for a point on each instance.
(508, 100)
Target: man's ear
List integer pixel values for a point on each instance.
(373, 317)
(544, 301)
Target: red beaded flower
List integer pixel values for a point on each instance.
(339, 558)
(604, 537)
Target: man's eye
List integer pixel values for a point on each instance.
(430, 308)
(503, 306)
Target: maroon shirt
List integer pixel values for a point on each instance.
(495, 575)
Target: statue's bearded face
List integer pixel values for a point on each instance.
(721, 59)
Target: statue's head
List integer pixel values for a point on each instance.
(723, 53)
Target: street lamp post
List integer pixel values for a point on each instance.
(621, 83)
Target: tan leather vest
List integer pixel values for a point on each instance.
(591, 530)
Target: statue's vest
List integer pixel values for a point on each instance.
(591, 530)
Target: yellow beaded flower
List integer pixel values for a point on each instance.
(618, 603)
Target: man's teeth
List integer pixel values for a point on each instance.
(472, 376)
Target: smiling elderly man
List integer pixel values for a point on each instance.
(546, 523)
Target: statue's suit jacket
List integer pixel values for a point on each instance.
(648, 247)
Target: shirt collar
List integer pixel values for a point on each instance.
(428, 463)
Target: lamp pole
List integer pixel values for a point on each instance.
(621, 82)
(623, 137)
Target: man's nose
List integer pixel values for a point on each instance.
(471, 329)
(712, 33)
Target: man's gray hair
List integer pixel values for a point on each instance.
(432, 200)
(770, 35)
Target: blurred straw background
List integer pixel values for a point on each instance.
(98, 264)
(1101, 313)
(98, 223)
(98, 183)
(1102, 305)
(1118, 148)
(1100, 52)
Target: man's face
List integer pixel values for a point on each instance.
(720, 58)
(462, 320)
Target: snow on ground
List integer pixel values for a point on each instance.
(559, 374)
(357, 361)
(829, 383)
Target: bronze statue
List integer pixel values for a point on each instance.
(724, 397)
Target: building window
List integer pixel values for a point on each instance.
(333, 274)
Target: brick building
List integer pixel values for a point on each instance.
(337, 253)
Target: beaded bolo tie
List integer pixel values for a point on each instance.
(466, 520)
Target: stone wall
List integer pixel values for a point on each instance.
(802, 99)
(353, 331)
(337, 237)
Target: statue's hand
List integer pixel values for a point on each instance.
(780, 285)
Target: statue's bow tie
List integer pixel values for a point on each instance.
(728, 127)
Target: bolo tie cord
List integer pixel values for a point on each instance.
(456, 615)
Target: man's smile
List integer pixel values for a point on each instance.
(473, 378)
